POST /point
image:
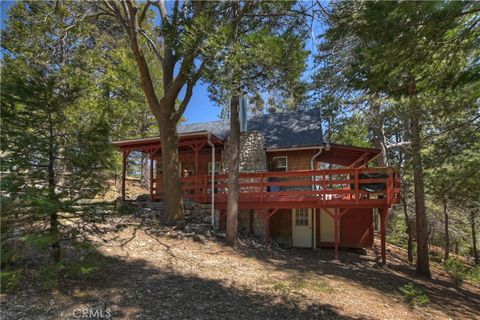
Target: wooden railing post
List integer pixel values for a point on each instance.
(151, 177)
(124, 171)
(357, 194)
(324, 186)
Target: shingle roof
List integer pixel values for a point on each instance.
(281, 130)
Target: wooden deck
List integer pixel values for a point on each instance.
(336, 188)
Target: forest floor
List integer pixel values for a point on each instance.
(153, 272)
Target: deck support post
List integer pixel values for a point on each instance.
(222, 223)
(383, 231)
(151, 177)
(337, 231)
(266, 227)
(197, 148)
(124, 171)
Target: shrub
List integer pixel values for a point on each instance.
(125, 208)
(461, 271)
(90, 262)
(413, 295)
(9, 280)
(11, 252)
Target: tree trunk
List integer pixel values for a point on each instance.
(233, 172)
(171, 172)
(408, 230)
(379, 135)
(473, 222)
(164, 112)
(423, 263)
(53, 214)
(447, 235)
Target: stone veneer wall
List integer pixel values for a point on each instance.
(252, 154)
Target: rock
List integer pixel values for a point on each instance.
(197, 238)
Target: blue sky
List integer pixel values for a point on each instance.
(200, 108)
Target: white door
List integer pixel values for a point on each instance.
(302, 228)
(327, 226)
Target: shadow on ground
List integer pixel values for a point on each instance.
(366, 270)
(137, 290)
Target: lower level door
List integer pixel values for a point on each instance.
(302, 228)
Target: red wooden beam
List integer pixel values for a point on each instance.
(124, 171)
(266, 227)
(383, 231)
(337, 232)
(151, 177)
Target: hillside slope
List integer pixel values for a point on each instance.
(158, 273)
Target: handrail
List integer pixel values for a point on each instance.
(348, 184)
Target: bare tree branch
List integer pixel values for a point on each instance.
(144, 13)
(151, 45)
(186, 99)
(160, 4)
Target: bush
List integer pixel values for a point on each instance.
(11, 252)
(49, 275)
(461, 271)
(9, 280)
(413, 295)
(125, 208)
(84, 268)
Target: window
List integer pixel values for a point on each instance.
(302, 217)
(280, 163)
(218, 167)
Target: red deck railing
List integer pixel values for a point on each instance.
(336, 187)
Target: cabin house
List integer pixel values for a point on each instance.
(293, 185)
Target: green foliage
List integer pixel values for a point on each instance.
(90, 262)
(395, 62)
(396, 232)
(126, 208)
(39, 241)
(67, 90)
(413, 295)
(258, 49)
(48, 275)
(461, 271)
(298, 283)
(11, 251)
(351, 131)
(9, 280)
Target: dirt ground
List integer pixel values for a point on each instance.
(155, 273)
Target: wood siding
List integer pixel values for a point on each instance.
(297, 159)
(356, 227)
